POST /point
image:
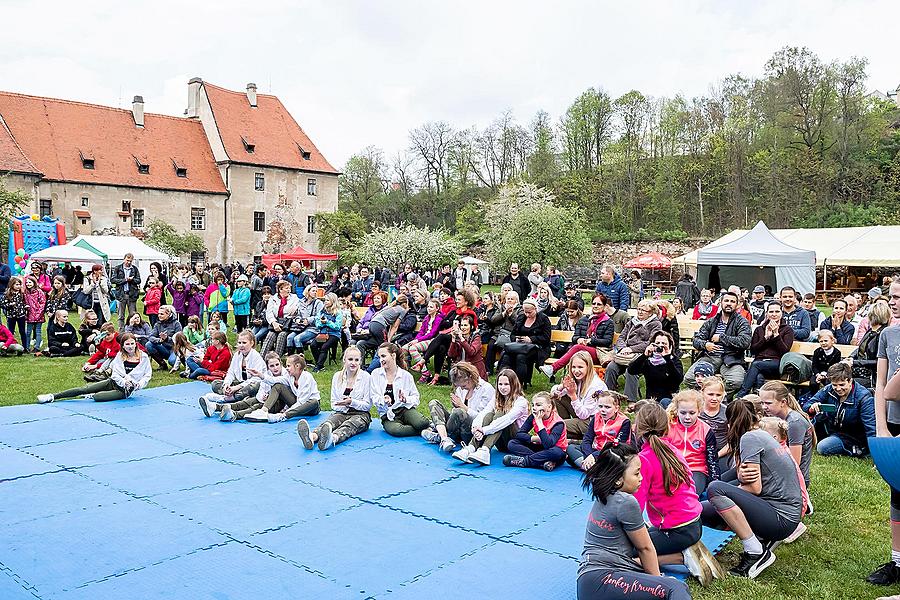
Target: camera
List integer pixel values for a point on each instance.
(658, 347)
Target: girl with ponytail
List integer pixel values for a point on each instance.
(616, 535)
(777, 401)
(668, 495)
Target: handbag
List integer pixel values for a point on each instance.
(519, 347)
(321, 338)
(623, 361)
(82, 299)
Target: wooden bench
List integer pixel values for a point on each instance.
(553, 321)
(686, 329)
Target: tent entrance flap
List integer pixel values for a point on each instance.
(716, 277)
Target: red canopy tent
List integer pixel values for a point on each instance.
(299, 254)
(651, 260)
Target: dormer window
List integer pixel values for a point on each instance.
(305, 154)
(87, 159)
(249, 146)
(180, 168)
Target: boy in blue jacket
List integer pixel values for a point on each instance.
(846, 411)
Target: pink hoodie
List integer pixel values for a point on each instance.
(665, 512)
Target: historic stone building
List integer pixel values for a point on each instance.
(237, 169)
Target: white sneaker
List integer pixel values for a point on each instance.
(326, 436)
(431, 436)
(447, 445)
(546, 370)
(260, 415)
(45, 398)
(481, 456)
(277, 417)
(213, 397)
(227, 414)
(208, 408)
(463, 454)
(696, 566)
(801, 529)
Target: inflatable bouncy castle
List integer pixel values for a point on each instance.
(30, 233)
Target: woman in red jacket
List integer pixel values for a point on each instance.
(465, 345)
(216, 358)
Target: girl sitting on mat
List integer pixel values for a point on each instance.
(541, 441)
(619, 558)
(693, 438)
(498, 422)
(768, 503)
(713, 414)
(350, 401)
(471, 395)
(130, 373)
(394, 394)
(667, 494)
(235, 411)
(240, 381)
(607, 426)
(295, 395)
(575, 399)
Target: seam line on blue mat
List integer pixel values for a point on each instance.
(23, 583)
(74, 439)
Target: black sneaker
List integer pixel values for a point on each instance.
(549, 465)
(886, 574)
(511, 460)
(752, 565)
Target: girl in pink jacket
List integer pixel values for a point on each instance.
(36, 300)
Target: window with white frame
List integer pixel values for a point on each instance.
(310, 187)
(198, 218)
(137, 217)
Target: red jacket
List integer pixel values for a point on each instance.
(105, 349)
(152, 300)
(216, 359)
(469, 351)
(6, 336)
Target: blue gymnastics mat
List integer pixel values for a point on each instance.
(147, 498)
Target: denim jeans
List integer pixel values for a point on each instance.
(162, 352)
(195, 368)
(301, 339)
(260, 333)
(33, 333)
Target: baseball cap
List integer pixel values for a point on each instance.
(704, 369)
(759, 290)
(243, 278)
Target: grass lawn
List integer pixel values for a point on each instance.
(848, 534)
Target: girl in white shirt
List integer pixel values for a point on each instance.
(394, 394)
(350, 400)
(295, 395)
(130, 372)
(498, 422)
(471, 396)
(576, 397)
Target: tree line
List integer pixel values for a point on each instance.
(801, 145)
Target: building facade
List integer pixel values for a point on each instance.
(104, 170)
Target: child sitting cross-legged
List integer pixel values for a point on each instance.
(295, 395)
(62, 339)
(607, 426)
(98, 364)
(541, 441)
(238, 409)
(8, 343)
(216, 358)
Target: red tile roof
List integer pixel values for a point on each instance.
(54, 135)
(12, 159)
(279, 140)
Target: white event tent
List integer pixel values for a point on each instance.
(67, 253)
(473, 264)
(873, 246)
(757, 258)
(114, 248)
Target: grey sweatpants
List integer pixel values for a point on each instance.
(457, 421)
(281, 397)
(345, 425)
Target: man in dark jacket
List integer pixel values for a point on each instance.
(127, 280)
(687, 290)
(846, 410)
(5, 275)
(612, 286)
(518, 281)
(721, 342)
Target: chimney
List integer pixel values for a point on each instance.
(193, 97)
(251, 94)
(137, 110)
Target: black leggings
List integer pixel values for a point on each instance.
(895, 494)
(631, 585)
(321, 349)
(677, 539)
(521, 362)
(61, 351)
(765, 522)
(438, 349)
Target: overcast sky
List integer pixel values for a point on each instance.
(357, 73)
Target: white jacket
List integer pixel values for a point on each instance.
(139, 376)
(585, 402)
(360, 398)
(304, 388)
(290, 309)
(517, 414)
(482, 397)
(254, 361)
(404, 386)
(265, 386)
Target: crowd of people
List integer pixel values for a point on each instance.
(723, 443)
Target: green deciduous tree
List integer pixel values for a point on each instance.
(545, 234)
(12, 203)
(395, 246)
(165, 238)
(340, 231)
